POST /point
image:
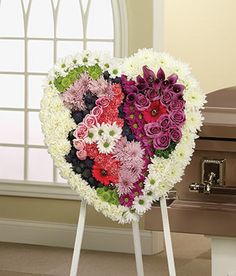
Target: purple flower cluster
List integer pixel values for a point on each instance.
(154, 109)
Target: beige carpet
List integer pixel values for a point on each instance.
(192, 256)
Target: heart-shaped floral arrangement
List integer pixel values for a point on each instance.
(121, 132)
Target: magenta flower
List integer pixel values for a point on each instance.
(142, 102)
(166, 98)
(152, 129)
(176, 104)
(175, 134)
(127, 199)
(153, 94)
(177, 118)
(164, 122)
(161, 141)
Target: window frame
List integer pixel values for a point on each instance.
(51, 189)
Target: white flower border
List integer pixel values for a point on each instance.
(163, 173)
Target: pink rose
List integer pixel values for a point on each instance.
(103, 101)
(161, 141)
(81, 154)
(175, 134)
(82, 131)
(152, 129)
(79, 144)
(90, 120)
(97, 111)
(142, 102)
(177, 118)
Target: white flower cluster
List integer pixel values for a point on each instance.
(163, 174)
(105, 135)
(88, 58)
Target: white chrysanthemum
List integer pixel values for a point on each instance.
(142, 203)
(112, 132)
(194, 120)
(92, 136)
(128, 217)
(162, 189)
(105, 146)
(100, 131)
(115, 68)
(194, 99)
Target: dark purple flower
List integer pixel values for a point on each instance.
(152, 129)
(173, 78)
(148, 75)
(157, 84)
(177, 118)
(175, 134)
(142, 102)
(131, 98)
(164, 122)
(153, 94)
(178, 88)
(142, 84)
(161, 74)
(166, 97)
(176, 104)
(161, 141)
(166, 85)
(130, 88)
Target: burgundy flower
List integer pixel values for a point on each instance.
(166, 98)
(152, 129)
(161, 141)
(175, 134)
(178, 88)
(142, 84)
(131, 89)
(142, 102)
(161, 74)
(164, 122)
(166, 85)
(176, 104)
(153, 94)
(177, 118)
(148, 75)
(173, 78)
(130, 98)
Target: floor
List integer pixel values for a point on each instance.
(192, 257)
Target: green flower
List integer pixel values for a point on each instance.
(66, 82)
(106, 196)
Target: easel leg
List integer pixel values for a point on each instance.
(167, 237)
(137, 249)
(78, 239)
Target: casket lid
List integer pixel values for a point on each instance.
(220, 114)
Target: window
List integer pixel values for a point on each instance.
(33, 35)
